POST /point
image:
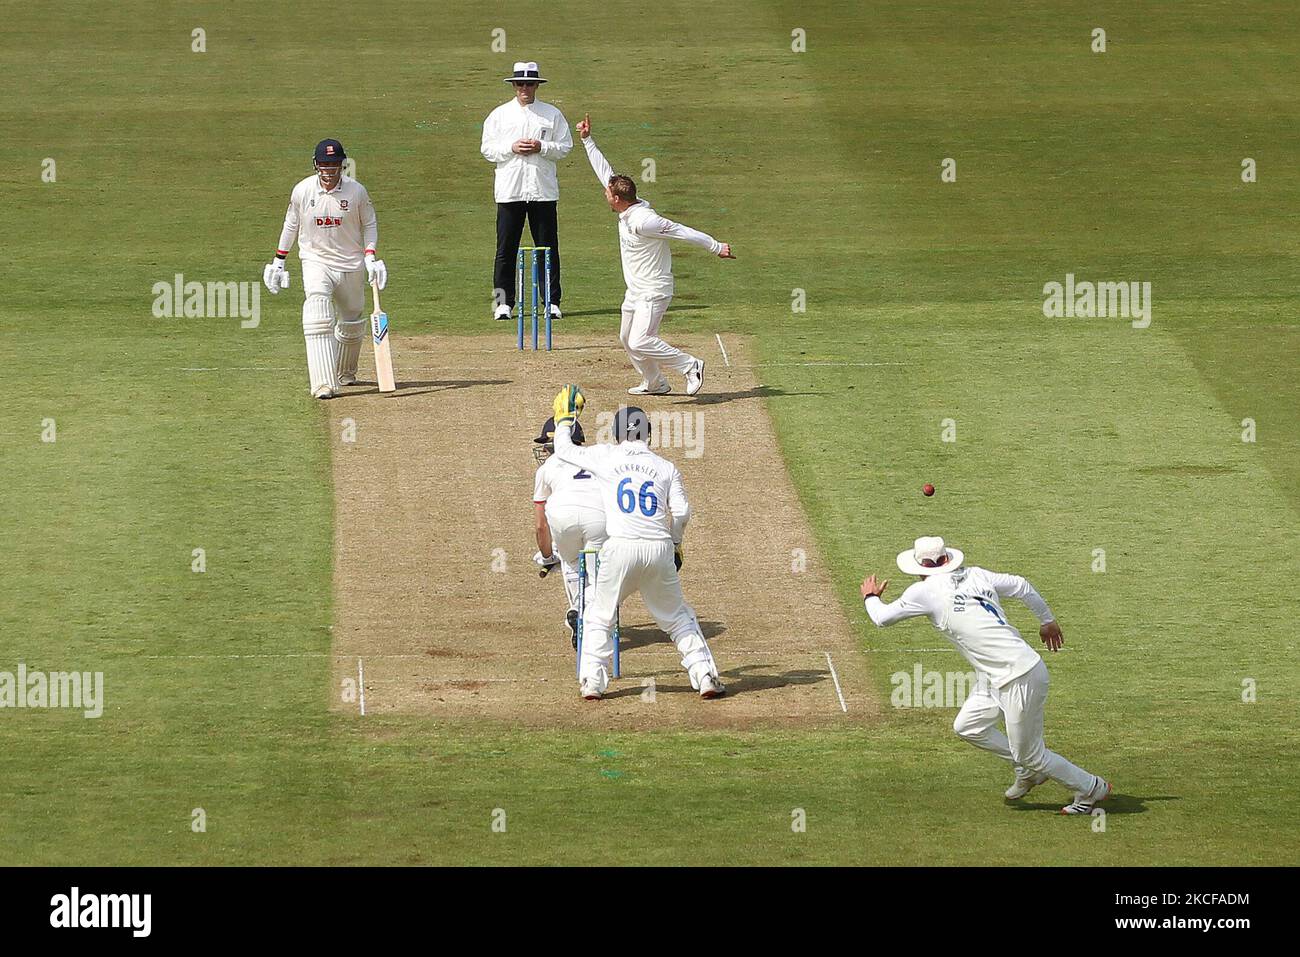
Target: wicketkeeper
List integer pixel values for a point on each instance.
(965, 604)
(337, 231)
(645, 518)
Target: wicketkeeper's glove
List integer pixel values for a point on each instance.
(568, 406)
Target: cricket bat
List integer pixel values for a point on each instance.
(383, 345)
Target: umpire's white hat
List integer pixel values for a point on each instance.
(527, 72)
(929, 556)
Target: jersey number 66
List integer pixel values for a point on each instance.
(627, 501)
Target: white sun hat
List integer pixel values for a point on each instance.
(929, 556)
(529, 72)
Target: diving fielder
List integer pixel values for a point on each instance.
(568, 515)
(335, 225)
(648, 271)
(963, 603)
(646, 512)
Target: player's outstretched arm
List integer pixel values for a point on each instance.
(660, 227)
(599, 165)
(568, 405)
(908, 604)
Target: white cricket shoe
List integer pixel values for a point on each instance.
(1085, 801)
(711, 686)
(347, 378)
(324, 392)
(660, 388)
(1024, 785)
(588, 690)
(695, 377)
(555, 312)
(502, 312)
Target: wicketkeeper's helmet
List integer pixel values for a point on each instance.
(631, 423)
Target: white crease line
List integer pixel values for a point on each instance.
(723, 348)
(361, 681)
(909, 649)
(443, 370)
(836, 678)
(762, 364)
(435, 658)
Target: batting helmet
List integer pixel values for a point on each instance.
(544, 444)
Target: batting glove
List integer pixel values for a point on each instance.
(275, 277)
(376, 271)
(546, 561)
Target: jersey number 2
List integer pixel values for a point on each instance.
(628, 500)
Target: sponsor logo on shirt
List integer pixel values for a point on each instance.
(328, 221)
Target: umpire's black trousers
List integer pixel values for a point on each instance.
(544, 227)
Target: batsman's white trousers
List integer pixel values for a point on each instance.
(573, 528)
(632, 565)
(639, 334)
(1022, 702)
(348, 289)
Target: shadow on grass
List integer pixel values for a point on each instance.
(758, 392)
(1115, 804)
(407, 389)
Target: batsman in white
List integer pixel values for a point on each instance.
(568, 515)
(646, 512)
(963, 603)
(335, 225)
(648, 271)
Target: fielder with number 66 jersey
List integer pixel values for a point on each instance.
(646, 512)
(568, 515)
(335, 225)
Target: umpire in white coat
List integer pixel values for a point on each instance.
(524, 139)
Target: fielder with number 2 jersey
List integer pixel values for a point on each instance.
(965, 604)
(568, 514)
(646, 512)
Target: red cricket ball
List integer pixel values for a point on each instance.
(928, 489)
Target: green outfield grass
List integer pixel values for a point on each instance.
(923, 304)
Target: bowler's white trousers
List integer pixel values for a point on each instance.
(1022, 702)
(633, 565)
(574, 528)
(639, 334)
